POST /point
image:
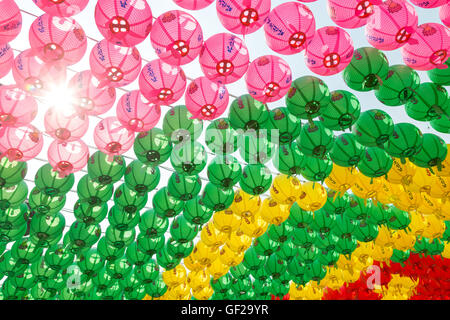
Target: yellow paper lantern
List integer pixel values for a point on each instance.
(313, 196)
(254, 226)
(445, 166)
(226, 221)
(245, 205)
(340, 179)
(384, 238)
(239, 242)
(440, 188)
(443, 211)
(402, 240)
(446, 253)
(211, 236)
(192, 264)
(203, 254)
(285, 189)
(401, 173)
(382, 254)
(365, 187)
(180, 292)
(229, 257)
(217, 269)
(175, 276)
(389, 192)
(428, 205)
(274, 212)
(408, 201)
(198, 280)
(422, 181)
(434, 228)
(204, 294)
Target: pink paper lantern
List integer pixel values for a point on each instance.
(268, 78)
(444, 14)
(243, 16)
(17, 108)
(429, 4)
(193, 4)
(67, 157)
(350, 14)
(289, 27)
(65, 124)
(136, 113)
(6, 59)
(224, 58)
(112, 138)
(428, 47)
(125, 23)
(62, 8)
(205, 99)
(10, 21)
(391, 25)
(57, 39)
(34, 76)
(330, 51)
(89, 98)
(161, 83)
(114, 66)
(21, 143)
(177, 37)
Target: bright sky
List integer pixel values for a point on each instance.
(211, 25)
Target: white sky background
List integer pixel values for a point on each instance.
(210, 25)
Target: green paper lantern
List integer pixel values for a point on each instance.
(366, 70)
(184, 187)
(288, 126)
(288, 159)
(317, 169)
(220, 137)
(136, 256)
(429, 102)
(152, 148)
(90, 214)
(217, 198)
(246, 113)
(406, 141)
(315, 140)
(346, 151)
(308, 97)
(182, 230)
(107, 251)
(141, 178)
(224, 171)
(375, 163)
(188, 158)
(196, 212)
(153, 226)
(105, 169)
(399, 86)
(179, 126)
(49, 182)
(256, 179)
(373, 128)
(11, 173)
(342, 112)
(13, 196)
(440, 76)
(433, 152)
(93, 192)
(121, 219)
(119, 238)
(166, 205)
(149, 246)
